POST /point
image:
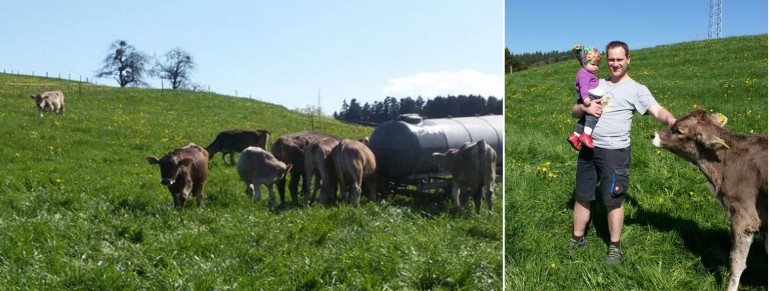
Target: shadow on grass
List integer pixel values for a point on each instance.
(711, 245)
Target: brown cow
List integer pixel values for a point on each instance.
(256, 167)
(289, 149)
(49, 101)
(318, 162)
(236, 140)
(184, 171)
(354, 165)
(473, 171)
(735, 166)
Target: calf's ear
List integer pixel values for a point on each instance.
(713, 142)
(719, 118)
(152, 160)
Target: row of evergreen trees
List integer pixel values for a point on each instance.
(439, 107)
(520, 62)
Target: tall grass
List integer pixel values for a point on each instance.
(80, 208)
(676, 234)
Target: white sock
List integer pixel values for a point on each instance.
(575, 133)
(587, 130)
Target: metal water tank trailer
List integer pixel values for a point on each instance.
(405, 147)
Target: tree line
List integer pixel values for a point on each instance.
(129, 67)
(520, 62)
(438, 107)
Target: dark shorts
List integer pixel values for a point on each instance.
(605, 165)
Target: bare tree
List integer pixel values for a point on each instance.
(177, 68)
(125, 64)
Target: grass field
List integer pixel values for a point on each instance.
(676, 234)
(81, 209)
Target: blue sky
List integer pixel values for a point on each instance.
(281, 52)
(531, 26)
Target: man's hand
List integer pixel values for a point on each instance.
(595, 108)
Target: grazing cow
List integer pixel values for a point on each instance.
(256, 167)
(289, 149)
(236, 140)
(49, 101)
(473, 171)
(318, 162)
(735, 166)
(184, 171)
(354, 165)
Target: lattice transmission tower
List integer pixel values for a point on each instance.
(715, 19)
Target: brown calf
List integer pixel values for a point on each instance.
(318, 162)
(184, 171)
(236, 140)
(354, 165)
(256, 167)
(49, 101)
(289, 149)
(735, 166)
(473, 171)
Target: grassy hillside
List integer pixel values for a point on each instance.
(676, 234)
(80, 208)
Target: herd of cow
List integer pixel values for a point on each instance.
(330, 162)
(737, 176)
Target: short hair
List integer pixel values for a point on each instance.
(616, 43)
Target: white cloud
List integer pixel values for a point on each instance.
(432, 84)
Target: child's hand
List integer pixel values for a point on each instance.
(587, 102)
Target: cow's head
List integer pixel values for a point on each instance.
(446, 160)
(693, 135)
(283, 174)
(40, 101)
(170, 167)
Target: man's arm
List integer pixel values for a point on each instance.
(595, 109)
(662, 115)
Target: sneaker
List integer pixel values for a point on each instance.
(577, 244)
(587, 140)
(573, 141)
(614, 255)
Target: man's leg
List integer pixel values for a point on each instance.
(615, 222)
(580, 216)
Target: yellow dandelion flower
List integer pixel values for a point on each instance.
(553, 266)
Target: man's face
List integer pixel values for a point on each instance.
(617, 61)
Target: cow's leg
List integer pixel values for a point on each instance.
(271, 194)
(477, 199)
(224, 157)
(371, 187)
(741, 244)
(198, 193)
(232, 158)
(456, 193)
(489, 191)
(250, 189)
(257, 191)
(281, 184)
(294, 186)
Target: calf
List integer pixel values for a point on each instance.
(236, 140)
(318, 162)
(289, 149)
(49, 101)
(473, 170)
(354, 165)
(184, 170)
(735, 166)
(257, 167)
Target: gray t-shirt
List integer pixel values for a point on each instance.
(613, 131)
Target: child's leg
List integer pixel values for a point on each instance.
(581, 124)
(590, 123)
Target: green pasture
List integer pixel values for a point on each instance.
(81, 209)
(676, 234)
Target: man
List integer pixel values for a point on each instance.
(608, 161)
